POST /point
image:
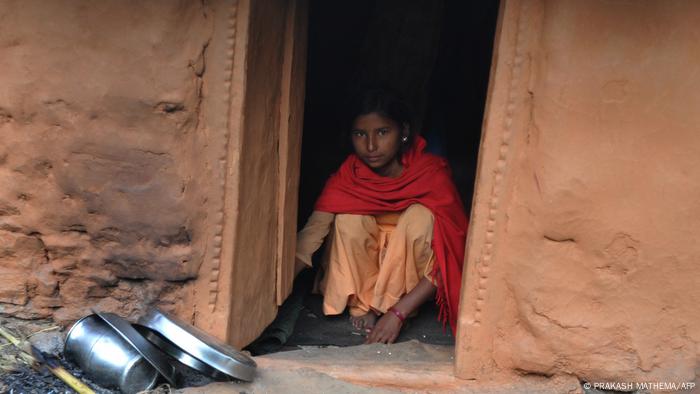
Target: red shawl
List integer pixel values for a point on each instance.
(426, 179)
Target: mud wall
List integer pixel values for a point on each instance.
(103, 178)
(583, 256)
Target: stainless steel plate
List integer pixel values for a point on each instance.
(180, 355)
(147, 350)
(200, 345)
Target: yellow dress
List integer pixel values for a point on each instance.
(370, 261)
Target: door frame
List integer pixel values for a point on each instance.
(218, 309)
(252, 106)
(506, 115)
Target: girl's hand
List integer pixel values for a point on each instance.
(386, 330)
(388, 327)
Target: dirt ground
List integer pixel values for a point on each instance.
(314, 329)
(406, 367)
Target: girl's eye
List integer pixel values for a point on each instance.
(358, 133)
(383, 131)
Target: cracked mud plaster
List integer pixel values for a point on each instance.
(99, 111)
(600, 257)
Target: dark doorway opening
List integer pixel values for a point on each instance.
(437, 56)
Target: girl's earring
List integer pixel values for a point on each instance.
(404, 139)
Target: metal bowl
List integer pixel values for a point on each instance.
(107, 358)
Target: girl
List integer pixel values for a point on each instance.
(395, 225)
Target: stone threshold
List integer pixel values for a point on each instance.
(408, 367)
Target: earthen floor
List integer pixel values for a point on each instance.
(314, 329)
(408, 367)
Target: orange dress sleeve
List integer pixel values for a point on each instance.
(311, 237)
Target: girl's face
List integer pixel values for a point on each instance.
(377, 142)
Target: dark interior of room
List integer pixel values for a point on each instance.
(436, 55)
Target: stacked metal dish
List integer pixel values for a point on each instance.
(114, 355)
(117, 354)
(195, 348)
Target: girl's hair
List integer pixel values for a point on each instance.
(384, 103)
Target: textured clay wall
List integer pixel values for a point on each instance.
(101, 176)
(584, 253)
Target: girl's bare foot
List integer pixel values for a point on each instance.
(365, 321)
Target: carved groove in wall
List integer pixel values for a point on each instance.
(223, 158)
(486, 251)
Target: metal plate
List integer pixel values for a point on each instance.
(147, 350)
(200, 345)
(180, 355)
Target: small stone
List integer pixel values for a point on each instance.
(48, 342)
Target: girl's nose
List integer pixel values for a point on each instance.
(371, 143)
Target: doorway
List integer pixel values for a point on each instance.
(437, 56)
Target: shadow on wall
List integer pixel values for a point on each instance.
(98, 158)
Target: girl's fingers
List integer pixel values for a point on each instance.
(371, 337)
(387, 338)
(376, 337)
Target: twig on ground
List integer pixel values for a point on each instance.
(32, 356)
(53, 328)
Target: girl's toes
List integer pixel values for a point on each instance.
(357, 322)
